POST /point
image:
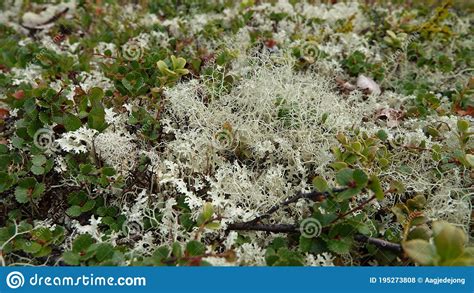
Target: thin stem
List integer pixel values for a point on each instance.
(288, 228)
(275, 228)
(379, 243)
(359, 207)
(2, 259)
(313, 195)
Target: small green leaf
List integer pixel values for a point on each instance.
(397, 186)
(17, 142)
(383, 162)
(376, 187)
(213, 225)
(28, 188)
(419, 220)
(96, 118)
(420, 232)
(470, 160)
(82, 243)
(178, 63)
(320, 184)
(341, 138)
(108, 171)
(360, 178)
(37, 170)
(195, 248)
(71, 258)
(463, 126)
(338, 165)
(38, 160)
(89, 205)
(382, 135)
(43, 234)
(31, 247)
(324, 118)
(416, 203)
(340, 246)
(344, 176)
(420, 251)
(163, 68)
(72, 122)
(74, 211)
(305, 244)
(3, 149)
(365, 229)
(347, 194)
(160, 254)
(104, 251)
(27, 182)
(207, 211)
(400, 211)
(22, 195)
(85, 169)
(448, 239)
(177, 250)
(95, 96)
(182, 71)
(44, 251)
(356, 146)
(38, 190)
(6, 181)
(133, 82)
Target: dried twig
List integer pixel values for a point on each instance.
(275, 228)
(313, 195)
(359, 207)
(289, 228)
(380, 243)
(254, 224)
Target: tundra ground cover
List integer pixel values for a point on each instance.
(223, 133)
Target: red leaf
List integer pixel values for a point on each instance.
(4, 113)
(4, 68)
(194, 262)
(19, 95)
(469, 111)
(270, 43)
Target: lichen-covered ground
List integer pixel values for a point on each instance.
(223, 133)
